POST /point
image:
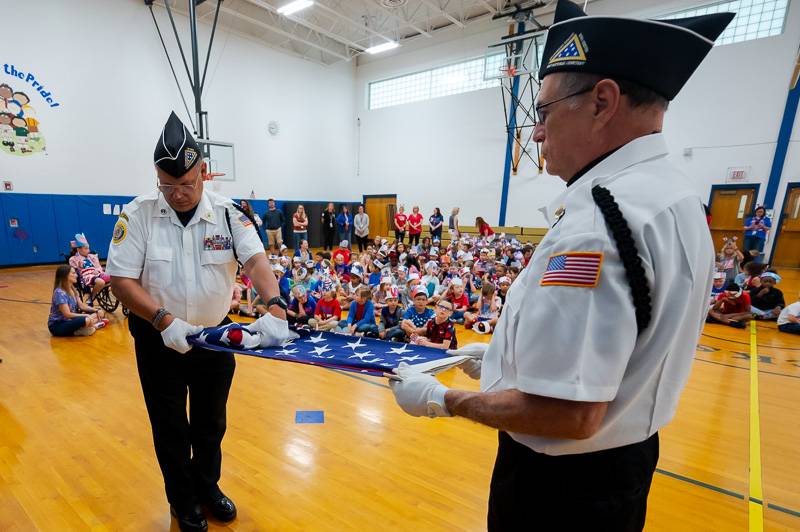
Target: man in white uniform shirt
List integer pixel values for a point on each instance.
(173, 261)
(598, 333)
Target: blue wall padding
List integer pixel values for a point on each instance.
(47, 223)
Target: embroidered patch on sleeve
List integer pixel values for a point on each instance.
(245, 220)
(120, 232)
(575, 268)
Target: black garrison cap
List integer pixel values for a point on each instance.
(176, 150)
(660, 55)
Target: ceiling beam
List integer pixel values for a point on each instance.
(352, 22)
(445, 14)
(302, 22)
(282, 32)
(401, 20)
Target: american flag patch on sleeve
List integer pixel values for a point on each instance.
(245, 220)
(576, 268)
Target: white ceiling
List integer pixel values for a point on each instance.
(331, 31)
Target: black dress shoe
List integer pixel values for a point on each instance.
(221, 508)
(190, 520)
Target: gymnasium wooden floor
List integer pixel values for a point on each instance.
(76, 450)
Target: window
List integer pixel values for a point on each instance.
(460, 77)
(754, 19)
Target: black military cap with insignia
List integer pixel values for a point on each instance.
(660, 55)
(176, 150)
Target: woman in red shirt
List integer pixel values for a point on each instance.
(414, 226)
(484, 229)
(400, 221)
(299, 227)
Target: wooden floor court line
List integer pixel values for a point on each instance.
(747, 369)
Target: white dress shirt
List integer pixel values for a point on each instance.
(580, 343)
(188, 270)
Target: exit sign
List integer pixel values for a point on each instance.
(738, 174)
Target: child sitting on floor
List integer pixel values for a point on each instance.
(484, 320)
(439, 331)
(391, 316)
(731, 308)
(789, 319)
(69, 316)
(302, 307)
(328, 312)
(361, 316)
(766, 301)
(456, 295)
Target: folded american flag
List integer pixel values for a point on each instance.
(327, 349)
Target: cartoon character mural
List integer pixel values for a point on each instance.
(19, 125)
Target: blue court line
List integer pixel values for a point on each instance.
(676, 476)
(747, 369)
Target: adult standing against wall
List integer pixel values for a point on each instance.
(328, 227)
(436, 221)
(361, 228)
(579, 401)
(248, 209)
(400, 223)
(452, 224)
(414, 226)
(484, 229)
(173, 261)
(299, 227)
(273, 221)
(344, 222)
(755, 232)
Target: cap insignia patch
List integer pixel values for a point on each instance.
(572, 52)
(189, 156)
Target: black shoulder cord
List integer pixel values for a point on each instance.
(634, 271)
(228, 219)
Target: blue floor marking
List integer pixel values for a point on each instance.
(309, 416)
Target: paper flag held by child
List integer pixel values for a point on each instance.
(327, 349)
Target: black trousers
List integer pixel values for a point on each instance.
(603, 490)
(399, 235)
(413, 239)
(363, 242)
(188, 449)
(328, 237)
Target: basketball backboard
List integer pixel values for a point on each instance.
(220, 158)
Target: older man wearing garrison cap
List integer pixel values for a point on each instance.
(598, 333)
(173, 260)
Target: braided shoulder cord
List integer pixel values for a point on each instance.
(634, 271)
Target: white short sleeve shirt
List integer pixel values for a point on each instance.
(568, 328)
(189, 270)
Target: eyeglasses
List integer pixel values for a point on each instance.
(171, 189)
(444, 307)
(542, 117)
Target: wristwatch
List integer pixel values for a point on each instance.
(277, 300)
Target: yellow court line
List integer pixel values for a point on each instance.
(756, 494)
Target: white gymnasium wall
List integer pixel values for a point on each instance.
(450, 151)
(103, 62)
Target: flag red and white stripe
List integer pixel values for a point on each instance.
(578, 268)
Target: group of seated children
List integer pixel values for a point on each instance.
(751, 294)
(388, 290)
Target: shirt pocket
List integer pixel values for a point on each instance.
(159, 261)
(217, 271)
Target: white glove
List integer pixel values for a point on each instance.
(471, 367)
(273, 331)
(419, 394)
(175, 335)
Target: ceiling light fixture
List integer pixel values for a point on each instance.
(294, 7)
(390, 45)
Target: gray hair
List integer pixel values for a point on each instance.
(638, 95)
